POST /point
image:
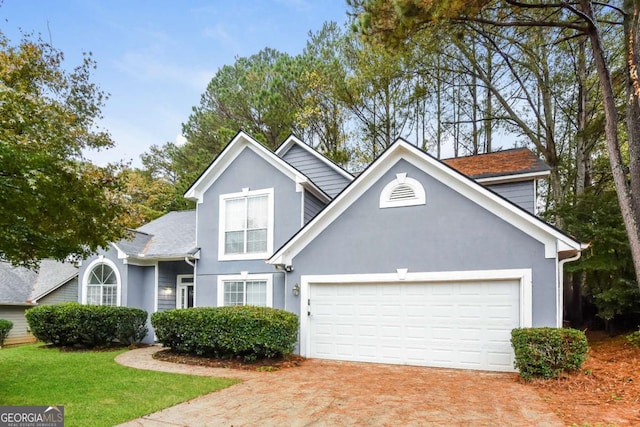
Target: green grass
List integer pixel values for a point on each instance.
(93, 388)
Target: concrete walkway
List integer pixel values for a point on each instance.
(329, 393)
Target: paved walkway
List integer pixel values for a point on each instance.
(329, 393)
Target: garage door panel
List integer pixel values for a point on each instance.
(466, 324)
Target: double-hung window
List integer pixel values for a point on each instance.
(245, 289)
(246, 225)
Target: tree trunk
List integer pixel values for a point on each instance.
(630, 215)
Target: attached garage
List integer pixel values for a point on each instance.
(453, 320)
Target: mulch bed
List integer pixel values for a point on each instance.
(605, 391)
(267, 365)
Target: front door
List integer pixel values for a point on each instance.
(185, 291)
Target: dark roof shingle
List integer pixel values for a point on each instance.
(515, 161)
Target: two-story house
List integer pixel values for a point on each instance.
(414, 261)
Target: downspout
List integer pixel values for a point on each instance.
(560, 292)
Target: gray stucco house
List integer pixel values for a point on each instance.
(22, 288)
(414, 261)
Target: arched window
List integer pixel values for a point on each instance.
(402, 191)
(102, 283)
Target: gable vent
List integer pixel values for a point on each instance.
(402, 191)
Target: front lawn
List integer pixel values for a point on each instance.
(92, 387)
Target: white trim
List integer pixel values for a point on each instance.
(85, 278)
(269, 192)
(156, 287)
(524, 221)
(228, 155)
(243, 277)
(180, 285)
(419, 197)
(503, 179)
(523, 275)
(292, 140)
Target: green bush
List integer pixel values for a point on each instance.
(242, 331)
(5, 328)
(633, 338)
(73, 324)
(546, 352)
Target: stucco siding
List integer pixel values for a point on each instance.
(520, 193)
(311, 206)
(449, 233)
(247, 171)
(330, 181)
(65, 293)
(20, 332)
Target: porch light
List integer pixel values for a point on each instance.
(167, 291)
(296, 290)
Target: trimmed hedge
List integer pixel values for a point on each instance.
(633, 338)
(5, 328)
(240, 331)
(546, 352)
(74, 324)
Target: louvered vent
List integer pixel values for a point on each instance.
(402, 192)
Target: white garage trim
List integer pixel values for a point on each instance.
(523, 276)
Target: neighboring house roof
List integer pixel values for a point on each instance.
(15, 284)
(22, 286)
(505, 166)
(51, 276)
(557, 243)
(241, 141)
(172, 236)
(292, 140)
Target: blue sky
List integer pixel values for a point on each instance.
(155, 58)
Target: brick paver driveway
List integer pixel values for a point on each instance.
(327, 393)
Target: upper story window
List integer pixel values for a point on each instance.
(402, 191)
(102, 283)
(246, 225)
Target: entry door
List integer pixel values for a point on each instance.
(185, 291)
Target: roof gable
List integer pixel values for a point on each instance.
(291, 141)
(501, 166)
(240, 142)
(554, 240)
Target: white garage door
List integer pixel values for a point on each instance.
(459, 325)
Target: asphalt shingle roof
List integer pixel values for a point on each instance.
(20, 285)
(171, 235)
(515, 161)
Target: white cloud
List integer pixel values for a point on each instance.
(180, 140)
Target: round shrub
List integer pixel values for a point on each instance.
(74, 324)
(5, 328)
(241, 331)
(546, 352)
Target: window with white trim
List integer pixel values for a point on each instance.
(101, 284)
(402, 191)
(246, 225)
(245, 289)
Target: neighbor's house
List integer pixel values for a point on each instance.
(415, 261)
(22, 288)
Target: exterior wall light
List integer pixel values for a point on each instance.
(296, 290)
